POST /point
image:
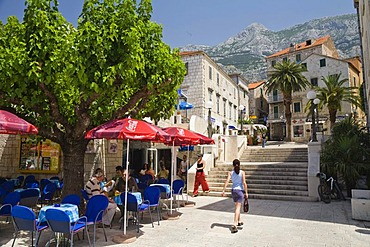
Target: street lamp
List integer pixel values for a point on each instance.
(241, 108)
(311, 95)
(209, 106)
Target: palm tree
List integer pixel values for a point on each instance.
(334, 93)
(287, 77)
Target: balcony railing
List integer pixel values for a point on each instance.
(275, 98)
(276, 115)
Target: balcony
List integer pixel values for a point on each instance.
(275, 98)
(276, 115)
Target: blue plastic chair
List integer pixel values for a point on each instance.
(152, 195)
(72, 199)
(9, 201)
(47, 194)
(163, 181)
(59, 222)
(21, 180)
(29, 197)
(85, 195)
(133, 206)
(94, 212)
(55, 178)
(29, 179)
(177, 189)
(43, 183)
(8, 186)
(24, 219)
(34, 184)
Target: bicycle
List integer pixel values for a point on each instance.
(326, 192)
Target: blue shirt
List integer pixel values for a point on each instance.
(237, 180)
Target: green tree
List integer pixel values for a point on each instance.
(67, 80)
(334, 93)
(287, 77)
(347, 153)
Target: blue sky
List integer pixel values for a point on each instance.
(210, 22)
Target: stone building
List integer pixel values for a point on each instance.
(321, 59)
(363, 14)
(204, 82)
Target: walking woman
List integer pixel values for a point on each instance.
(238, 193)
(200, 178)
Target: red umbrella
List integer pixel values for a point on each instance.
(12, 124)
(204, 139)
(180, 136)
(128, 129)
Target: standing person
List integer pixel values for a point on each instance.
(183, 168)
(200, 178)
(264, 136)
(238, 179)
(92, 188)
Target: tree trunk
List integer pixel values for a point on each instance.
(288, 117)
(332, 117)
(73, 167)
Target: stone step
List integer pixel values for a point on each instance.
(272, 159)
(270, 182)
(265, 196)
(266, 173)
(219, 186)
(262, 168)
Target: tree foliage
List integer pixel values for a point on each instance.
(347, 153)
(287, 78)
(334, 93)
(67, 80)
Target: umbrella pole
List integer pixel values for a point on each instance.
(187, 174)
(125, 208)
(172, 172)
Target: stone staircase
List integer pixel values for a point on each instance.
(272, 173)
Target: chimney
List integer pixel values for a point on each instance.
(308, 42)
(291, 47)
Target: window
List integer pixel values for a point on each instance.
(234, 93)
(304, 65)
(218, 104)
(275, 95)
(298, 58)
(224, 107)
(230, 110)
(297, 106)
(210, 72)
(298, 131)
(210, 95)
(244, 94)
(187, 68)
(285, 59)
(235, 113)
(314, 82)
(273, 63)
(322, 62)
(354, 82)
(218, 79)
(276, 112)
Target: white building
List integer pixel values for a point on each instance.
(204, 82)
(321, 59)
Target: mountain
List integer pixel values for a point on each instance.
(245, 51)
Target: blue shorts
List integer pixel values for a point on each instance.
(238, 195)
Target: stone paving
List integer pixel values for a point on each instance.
(269, 223)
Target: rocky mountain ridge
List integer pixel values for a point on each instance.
(245, 52)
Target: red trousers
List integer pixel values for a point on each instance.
(200, 179)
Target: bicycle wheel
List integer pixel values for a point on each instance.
(324, 193)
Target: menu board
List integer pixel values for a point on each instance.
(40, 157)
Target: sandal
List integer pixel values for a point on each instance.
(234, 229)
(240, 223)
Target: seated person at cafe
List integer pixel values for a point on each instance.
(121, 183)
(147, 170)
(92, 188)
(105, 185)
(163, 173)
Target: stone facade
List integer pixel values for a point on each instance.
(206, 81)
(363, 13)
(321, 60)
